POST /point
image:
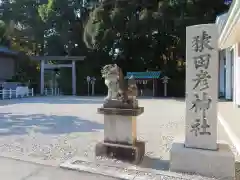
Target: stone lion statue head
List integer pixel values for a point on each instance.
(109, 70)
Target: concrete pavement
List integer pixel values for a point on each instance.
(19, 170)
(229, 116)
(12, 169)
(54, 129)
(51, 130)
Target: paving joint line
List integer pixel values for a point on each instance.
(33, 173)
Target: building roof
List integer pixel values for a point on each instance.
(227, 25)
(58, 58)
(223, 17)
(221, 21)
(7, 51)
(144, 75)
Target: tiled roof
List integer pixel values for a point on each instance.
(144, 75)
(7, 51)
(221, 21)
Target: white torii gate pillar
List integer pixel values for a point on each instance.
(74, 78)
(42, 76)
(53, 66)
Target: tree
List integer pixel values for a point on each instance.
(117, 28)
(136, 34)
(45, 27)
(151, 34)
(27, 37)
(64, 21)
(6, 31)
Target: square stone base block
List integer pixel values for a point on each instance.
(120, 129)
(130, 153)
(218, 164)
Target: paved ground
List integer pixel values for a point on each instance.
(230, 114)
(18, 170)
(51, 130)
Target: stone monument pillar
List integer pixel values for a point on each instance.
(120, 133)
(201, 153)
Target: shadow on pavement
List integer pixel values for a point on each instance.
(14, 124)
(54, 100)
(163, 98)
(155, 163)
(68, 101)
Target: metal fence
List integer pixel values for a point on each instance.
(52, 92)
(14, 93)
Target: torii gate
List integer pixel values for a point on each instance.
(44, 65)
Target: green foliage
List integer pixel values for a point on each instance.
(4, 39)
(6, 31)
(149, 34)
(26, 70)
(115, 25)
(3, 29)
(45, 10)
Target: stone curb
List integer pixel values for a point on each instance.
(124, 171)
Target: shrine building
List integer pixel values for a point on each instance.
(146, 82)
(8, 60)
(229, 53)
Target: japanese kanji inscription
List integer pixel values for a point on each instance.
(201, 86)
(202, 41)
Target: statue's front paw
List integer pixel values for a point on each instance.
(107, 98)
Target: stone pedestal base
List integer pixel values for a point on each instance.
(219, 164)
(120, 129)
(120, 135)
(133, 154)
